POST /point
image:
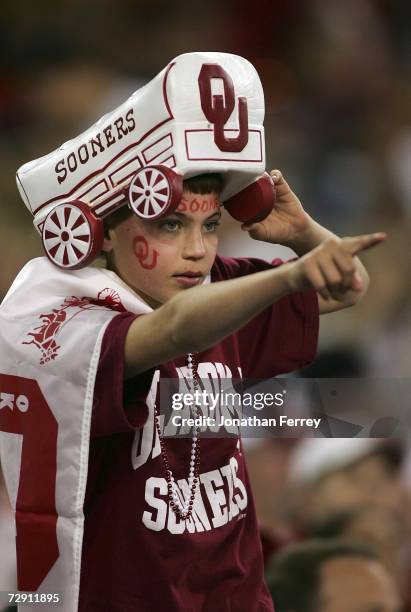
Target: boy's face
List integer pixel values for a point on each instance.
(160, 258)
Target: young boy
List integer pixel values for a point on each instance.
(110, 514)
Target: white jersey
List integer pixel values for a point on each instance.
(51, 327)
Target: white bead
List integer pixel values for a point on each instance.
(183, 509)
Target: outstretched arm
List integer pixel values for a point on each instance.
(197, 318)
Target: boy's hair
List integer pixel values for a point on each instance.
(204, 183)
(201, 184)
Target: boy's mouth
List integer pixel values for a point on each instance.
(189, 278)
(190, 274)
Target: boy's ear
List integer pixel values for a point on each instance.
(110, 223)
(107, 245)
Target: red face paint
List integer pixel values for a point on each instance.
(195, 202)
(147, 258)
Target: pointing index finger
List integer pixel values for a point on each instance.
(364, 242)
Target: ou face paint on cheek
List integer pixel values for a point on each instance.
(195, 202)
(147, 257)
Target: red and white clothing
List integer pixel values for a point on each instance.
(81, 458)
(137, 556)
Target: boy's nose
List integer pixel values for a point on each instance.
(194, 246)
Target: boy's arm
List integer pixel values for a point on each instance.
(197, 318)
(290, 225)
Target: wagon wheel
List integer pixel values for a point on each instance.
(72, 235)
(154, 192)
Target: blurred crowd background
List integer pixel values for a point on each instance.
(336, 76)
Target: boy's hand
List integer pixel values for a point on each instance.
(287, 221)
(330, 268)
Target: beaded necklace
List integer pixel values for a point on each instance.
(182, 509)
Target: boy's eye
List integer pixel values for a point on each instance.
(211, 226)
(170, 225)
(173, 225)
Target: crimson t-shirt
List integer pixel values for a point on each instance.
(137, 555)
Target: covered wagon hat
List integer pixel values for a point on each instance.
(202, 113)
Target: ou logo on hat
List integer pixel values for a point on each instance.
(218, 110)
(156, 190)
